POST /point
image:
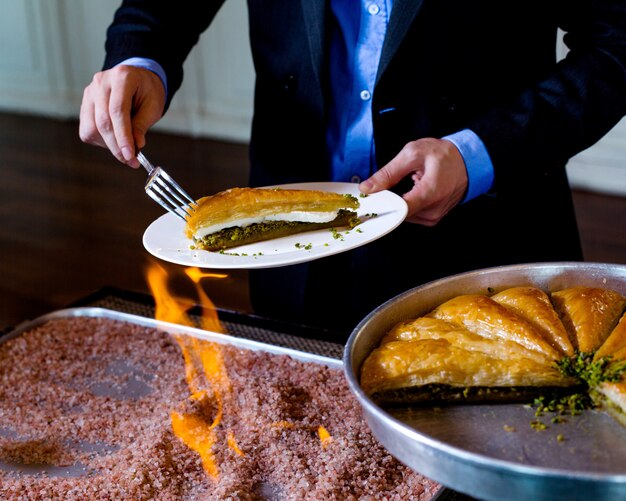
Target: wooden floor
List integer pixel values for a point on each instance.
(72, 218)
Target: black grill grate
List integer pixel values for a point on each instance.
(297, 337)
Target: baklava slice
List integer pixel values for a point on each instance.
(589, 314)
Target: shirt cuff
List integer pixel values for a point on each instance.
(479, 168)
(148, 64)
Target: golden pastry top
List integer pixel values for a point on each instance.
(589, 314)
(490, 319)
(241, 203)
(534, 306)
(512, 338)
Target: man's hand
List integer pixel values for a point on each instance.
(118, 108)
(439, 179)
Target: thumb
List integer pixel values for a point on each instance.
(141, 123)
(147, 110)
(139, 135)
(383, 179)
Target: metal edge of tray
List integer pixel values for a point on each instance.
(464, 471)
(172, 328)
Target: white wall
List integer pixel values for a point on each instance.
(51, 48)
(603, 166)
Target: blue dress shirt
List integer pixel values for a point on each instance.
(356, 44)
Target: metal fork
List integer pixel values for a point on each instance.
(165, 191)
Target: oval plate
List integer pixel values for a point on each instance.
(380, 213)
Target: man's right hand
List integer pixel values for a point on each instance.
(118, 108)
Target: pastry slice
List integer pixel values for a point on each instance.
(434, 370)
(589, 314)
(611, 397)
(423, 328)
(615, 344)
(242, 216)
(533, 305)
(484, 316)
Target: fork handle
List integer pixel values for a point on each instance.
(145, 162)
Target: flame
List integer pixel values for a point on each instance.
(232, 444)
(325, 437)
(283, 425)
(167, 307)
(205, 372)
(192, 431)
(209, 320)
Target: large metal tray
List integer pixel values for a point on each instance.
(491, 451)
(172, 328)
(136, 388)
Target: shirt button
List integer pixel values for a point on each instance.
(355, 179)
(365, 95)
(373, 9)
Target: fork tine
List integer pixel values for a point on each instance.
(162, 188)
(167, 197)
(171, 197)
(188, 201)
(169, 208)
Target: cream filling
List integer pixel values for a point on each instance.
(615, 394)
(300, 216)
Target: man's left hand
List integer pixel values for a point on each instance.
(439, 179)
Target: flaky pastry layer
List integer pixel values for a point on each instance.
(236, 204)
(499, 347)
(589, 314)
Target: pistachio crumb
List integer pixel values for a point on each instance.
(538, 425)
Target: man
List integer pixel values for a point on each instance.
(458, 105)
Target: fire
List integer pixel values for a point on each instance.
(325, 437)
(170, 308)
(192, 430)
(232, 444)
(205, 372)
(209, 320)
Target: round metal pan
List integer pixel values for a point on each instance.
(491, 451)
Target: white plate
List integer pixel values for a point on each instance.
(165, 237)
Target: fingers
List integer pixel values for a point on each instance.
(87, 129)
(105, 115)
(407, 161)
(439, 179)
(120, 139)
(141, 122)
(441, 185)
(118, 108)
(427, 201)
(104, 122)
(410, 161)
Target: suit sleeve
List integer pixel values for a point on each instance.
(161, 30)
(573, 106)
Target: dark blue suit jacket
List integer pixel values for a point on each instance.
(489, 65)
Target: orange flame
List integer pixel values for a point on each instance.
(205, 371)
(325, 437)
(193, 432)
(232, 444)
(204, 365)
